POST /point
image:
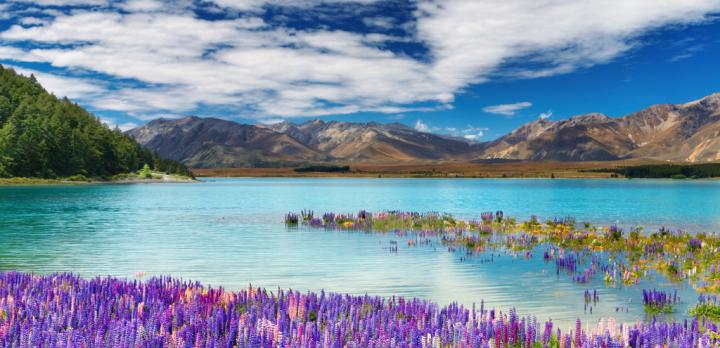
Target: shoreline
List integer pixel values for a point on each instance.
(21, 181)
(449, 170)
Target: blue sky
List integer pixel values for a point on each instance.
(472, 69)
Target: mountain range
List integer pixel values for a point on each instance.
(676, 132)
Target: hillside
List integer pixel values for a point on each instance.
(42, 136)
(211, 142)
(214, 143)
(375, 141)
(686, 132)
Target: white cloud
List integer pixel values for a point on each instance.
(62, 86)
(471, 40)
(420, 126)
(244, 65)
(380, 22)
(473, 133)
(507, 109)
(150, 117)
(112, 123)
(468, 133)
(270, 121)
(258, 70)
(27, 21)
(545, 115)
(253, 5)
(13, 53)
(686, 52)
(143, 5)
(64, 2)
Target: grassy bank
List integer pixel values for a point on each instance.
(126, 178)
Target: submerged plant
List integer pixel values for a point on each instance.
(499, 216)
(487, 216)
(615, 233)
(591, 296)
(707, 308)
(676, 254)
(292, 219)
(658, 301)
(307, 215)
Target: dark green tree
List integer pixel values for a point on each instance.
(47, 137)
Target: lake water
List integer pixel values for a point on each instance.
(230, 232)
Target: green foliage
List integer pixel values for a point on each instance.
(323, 168)
(655, 310)
(145, 172)
(77, 177)
(42, 136)
(706, 310)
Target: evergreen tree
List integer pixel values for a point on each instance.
(43, 136)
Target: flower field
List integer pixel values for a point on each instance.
(610, 252)
(64, 310)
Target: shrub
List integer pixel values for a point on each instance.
(145, 172)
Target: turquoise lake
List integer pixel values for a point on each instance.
(230, 232)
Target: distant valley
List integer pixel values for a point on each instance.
(683, 133)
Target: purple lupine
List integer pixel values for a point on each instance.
(316, 222)
(328, 218)
(615, 232)
(486, 216)
(694, 244)
(547, 334)
(66, 310)
(658, 300)
(578, 333)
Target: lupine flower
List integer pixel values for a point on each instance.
(694, 244)
(65, 310)
(658, 301)
(328, 218)
(671, 252)
(315, 222)
(486, 216)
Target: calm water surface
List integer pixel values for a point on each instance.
(229, 232)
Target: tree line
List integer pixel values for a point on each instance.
(675, 171)
(43, 136)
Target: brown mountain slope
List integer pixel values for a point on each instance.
(375, 141)
(685, 132)
(214, 143)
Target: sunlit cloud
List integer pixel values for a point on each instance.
(507, 109)
(151, 57)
